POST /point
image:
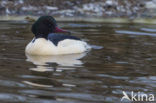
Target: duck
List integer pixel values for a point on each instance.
(49, 39)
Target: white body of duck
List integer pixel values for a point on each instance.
(41, 46)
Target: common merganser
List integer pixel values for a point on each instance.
(48, 42)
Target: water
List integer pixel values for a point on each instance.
(122, 59)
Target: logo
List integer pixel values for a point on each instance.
(138, 97)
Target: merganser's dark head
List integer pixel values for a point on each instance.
(44, 26)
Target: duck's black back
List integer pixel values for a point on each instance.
(55, 38)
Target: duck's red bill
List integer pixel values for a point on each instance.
(59, 30)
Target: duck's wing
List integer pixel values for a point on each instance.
(56, 38)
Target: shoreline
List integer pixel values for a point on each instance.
(82, 19)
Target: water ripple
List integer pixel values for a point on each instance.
(134, 33)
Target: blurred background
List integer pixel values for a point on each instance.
(80, 8)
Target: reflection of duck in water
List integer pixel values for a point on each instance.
(42, 70)
(47, 42)
(62, 60)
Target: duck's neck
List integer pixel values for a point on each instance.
(41, 36)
